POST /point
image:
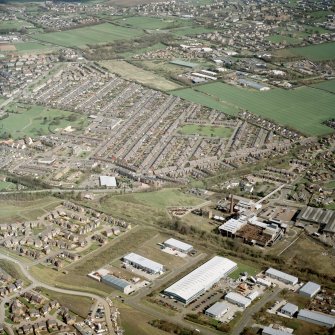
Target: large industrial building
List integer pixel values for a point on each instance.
(120, 284)
(311, 215)
(217, 310)
(140, 262)
(273, 331)
(201, 279)
(317, 318)
(238, 299)
(281, 276)
(310, 289)
(178, 245)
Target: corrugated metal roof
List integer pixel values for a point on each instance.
(202, 277)
(310, 288)
(282, 275)
(316, 316)
(114, 281)
(143, 262)
(217, 309)
(272, 331)
(290, 308)
(232, 225)
(238, 298)
(178, 244)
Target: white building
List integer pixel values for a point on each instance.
(237, 299)
(317, 318)
(140, 262)
(281, 276)
(201, 279)
(272, 331)
(230, 227)
(217, 310)
(289, 309)
(107, 181)
(310, 290)
(178, 245)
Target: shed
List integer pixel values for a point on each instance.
(217, 310)
(178, 245)
(310, 289)
(272, 331)
(238, 299)
(289, 309)
(317, 318)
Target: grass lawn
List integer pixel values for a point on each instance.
(317, 52)
(132, 72)
(328, 85)
(152, 22)
(7, 186)
(29, 47)
(78, 305)
(11, 211)
(303, 108)
(136, 322)
(241, 267)
(81, 37)
(14, 24)
(13, 270)
(283, 38)
(193, 129)
(189, 31)
(31, 120)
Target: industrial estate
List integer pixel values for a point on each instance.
(167, 167)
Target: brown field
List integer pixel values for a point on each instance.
(7, 47)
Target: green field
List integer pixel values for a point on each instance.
(27, 120)
(303, 108)
(80, 37)
(193, 129)
(189, 31)
(7, 186)
(23, 47)
(14, 24)
(283, 38)
(152, 23)
(328, 85)
(12, 211)
(317, 52)
(241, 267)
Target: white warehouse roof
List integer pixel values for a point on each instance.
(218, 309)
(317, 318)
(171, 242)
(107, 181)
(237, 299)
(272, 331)
(201, 279)
(271, 272)
(310, 289)
(143, 262)
(232, 226)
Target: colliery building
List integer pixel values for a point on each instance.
(201, 279)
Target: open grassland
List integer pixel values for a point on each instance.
(317, 52)
(132, 72)
(189, 31)
(14, 25)
(7, 186)
(16, 210)
(193, 129)
(328, 85)
(78, 305)
(241, 267)
(283, 39)
(13, 270)
(136, 322)
(155, 47)
(303, 108)
(31, 120)
(34, 47)
(152, 23)
(81, 37)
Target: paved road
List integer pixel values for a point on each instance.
(250, 311)
(37, 283)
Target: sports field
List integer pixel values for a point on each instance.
(317, 52)
(132, 72)
(23, 47)
(283, 38)
(27, 120)
(80, 37)
(14, 24)
(304, 108)
(193, 129)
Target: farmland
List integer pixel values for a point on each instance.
(27, 120)
(206, 131)
(298, 111)
(317, 52)
(81, 37)
(23, 47)
(144, 77)
(328, 85)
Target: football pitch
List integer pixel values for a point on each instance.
(303, 109)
